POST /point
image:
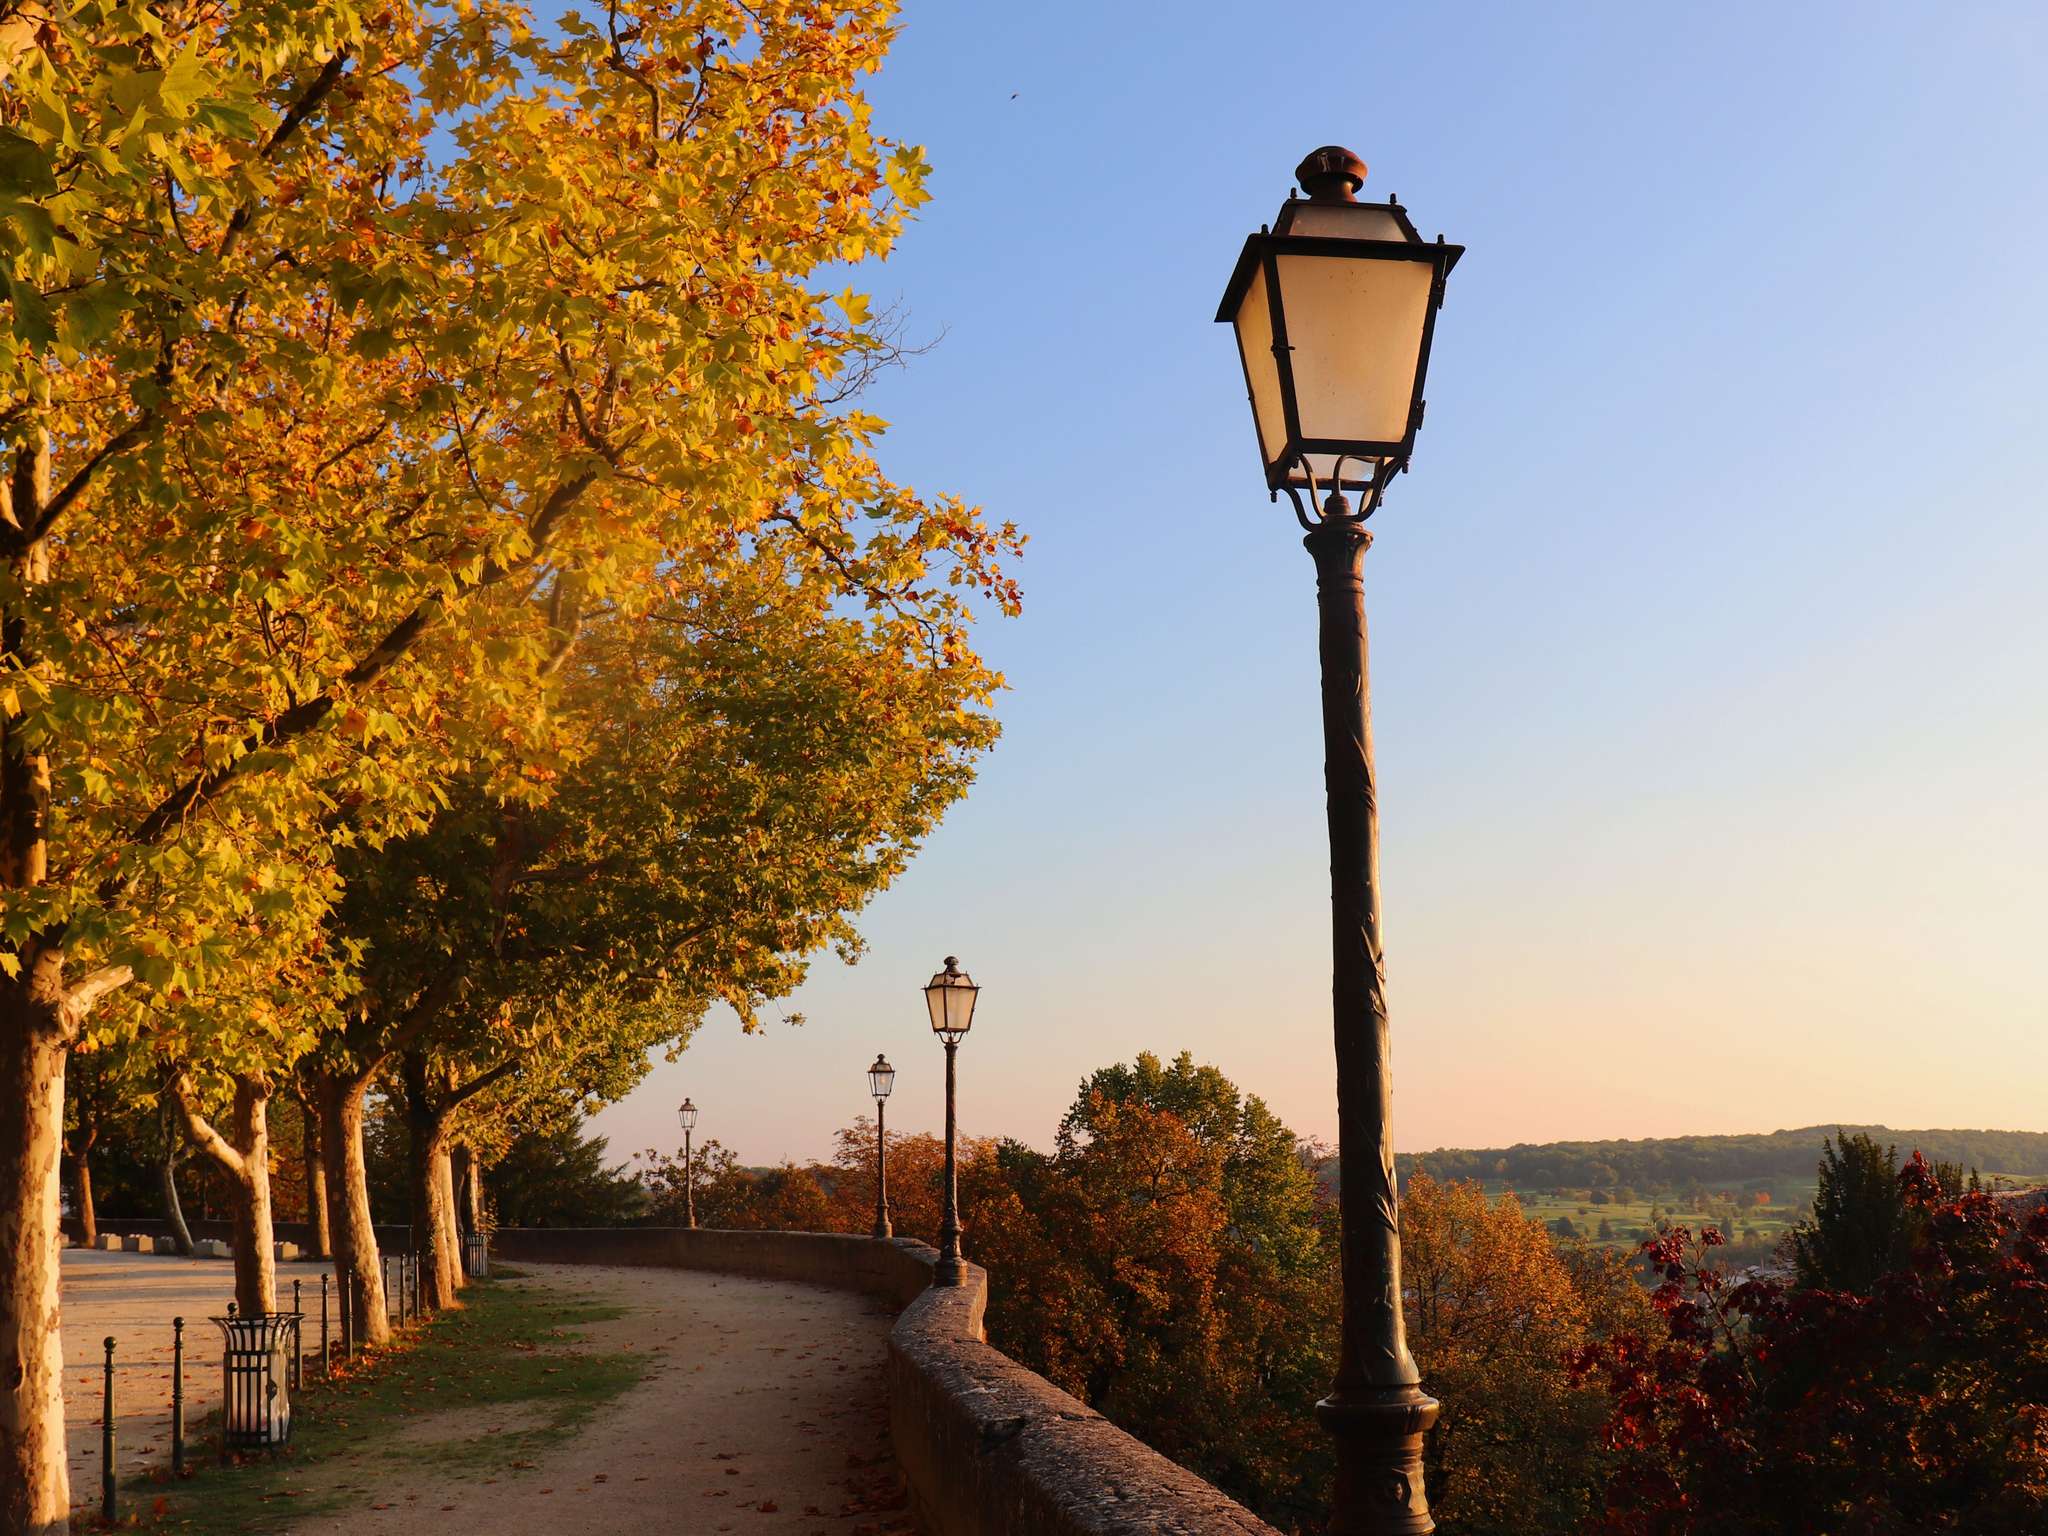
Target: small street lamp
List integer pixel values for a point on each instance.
(1334, 308)
(687, 1113)
(881, 1078)
(949, 998)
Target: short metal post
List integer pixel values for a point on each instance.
(108, 1511)
(326, 1360)
(177, 1397)
(298, 1354)
(351, 1324)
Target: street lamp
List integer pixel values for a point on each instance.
(687, 1113)
(1334, 307)
(949, 999)
(881, 1078)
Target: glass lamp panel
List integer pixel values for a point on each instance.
(935, 1002)
(1355, 327)
(960, 1007)
(1254, 326)
(881, 1080)
(1343, 221)
(1358, 471)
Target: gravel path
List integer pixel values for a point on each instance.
(764, 1409)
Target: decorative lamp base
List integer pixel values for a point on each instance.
(949, 1272)
(1379, 1433)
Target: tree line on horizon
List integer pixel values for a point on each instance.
(1669, 1164)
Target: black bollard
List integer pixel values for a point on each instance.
(326, 1362)
(177, 1397)
(108, 1511)
(298, 1352)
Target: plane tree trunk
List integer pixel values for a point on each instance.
(35, 1492)
(352, 1235)
(244, 1155)
(316, 1180)
(430, 1114)
(79, 1149)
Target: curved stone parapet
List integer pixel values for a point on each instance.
(989, 1448)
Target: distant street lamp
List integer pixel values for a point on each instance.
(1334, 309)
(881, 1078)
(687, 1113)
(949, 999)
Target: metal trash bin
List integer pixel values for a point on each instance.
(476, 1255)
(256, 1397)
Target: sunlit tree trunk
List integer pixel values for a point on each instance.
(35, 1491)
(245, 1157)
(352, 1235)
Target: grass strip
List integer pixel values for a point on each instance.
(496, 1383)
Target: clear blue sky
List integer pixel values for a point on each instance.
(1710, 632)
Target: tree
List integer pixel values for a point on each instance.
(1919, 1404)
(559, 1178)
(1496, 1308)
(1859, 1228)
(303, 425)
(917, 1164)
(1170, 1263)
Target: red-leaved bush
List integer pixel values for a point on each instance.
(1921, 1406)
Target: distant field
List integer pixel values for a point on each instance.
(1630, 1221)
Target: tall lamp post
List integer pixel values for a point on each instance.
(881, 1078)
(687, 1113)
(1334, 306)
(949, 999)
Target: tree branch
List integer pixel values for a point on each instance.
(303, 718)
(201, 1131)
(90, 988)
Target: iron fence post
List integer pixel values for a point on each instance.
(109, 1511)
(177, 1397)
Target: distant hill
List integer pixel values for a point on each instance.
(1720, 1162)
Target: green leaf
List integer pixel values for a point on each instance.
(24, 166)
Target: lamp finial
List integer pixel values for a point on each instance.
(1331, 174)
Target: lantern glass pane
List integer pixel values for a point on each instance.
(935, 1001)
(960, 1008)
(1255, 341)
(1355, 328)
(880, 1082)
(1344, 221)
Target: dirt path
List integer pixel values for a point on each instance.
(763, 1409)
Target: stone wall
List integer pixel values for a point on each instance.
(990, 1448)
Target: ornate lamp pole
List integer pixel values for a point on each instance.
(949, 999)
(881, 1078)
(1334, 308)
(687, 1113)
